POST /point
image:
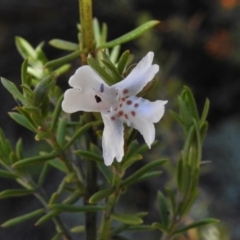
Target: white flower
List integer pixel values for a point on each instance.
(117, 104)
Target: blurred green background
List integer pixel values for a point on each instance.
(197, 44)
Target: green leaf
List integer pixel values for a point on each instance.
(64, 45)
(58, 165)
(172, 199)
(22, 121)
(42, 89)
(140, 228)
(71, 208)
(19, 149)
(147, 176)
(15, 193)
(122, 63)
(129, 36)
(129, 161)
(127, 219)
(48, 216)
(164, 212)
(205, 112)
(36, 159)
(66, 59)
(160, 227)
(77, 229)
(6, 174)
(191, 103)
(24, 48)
(114, 54)
(56, 113)
(24, 75)
(11, 87)
(99, 70)
(107, 173)
(98, 196)
(61, 131)
(89, 155)
(148, 167)
(197, 224)
(43, 174)
(78, 134)
(23, 218)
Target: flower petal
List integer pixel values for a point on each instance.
(141, 114)
(112, 140)
(145, 127)
(139, 76)
(84, 94)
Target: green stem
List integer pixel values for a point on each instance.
(86, 21)
(91, 184)
(40, 194)
(105, 233)
(91, 188)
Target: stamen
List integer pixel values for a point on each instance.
(98, 99)
(101, 87)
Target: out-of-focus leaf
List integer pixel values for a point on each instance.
(24, 48)
(197, 224)
(163, 208)
(22, 121)
(78, 134)
(66, 59)
(98, 196)
(127, 219)
(89, 155)
(95, 65)
(33, 160)
(77, 229)
(137, 32)
(122, 63)
(6, 174)
(148, 167)
(64, 45)
(56, 113)
(23, 218)
(71, 208)
(15, 193)
(48, 216)
(11, 87)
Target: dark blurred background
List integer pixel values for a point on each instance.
(197, 44)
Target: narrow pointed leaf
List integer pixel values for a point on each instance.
(107, 173)
(23, 218)
(6, 174)
(77, 229)
(129, 36)
(15, 193)
(33, 160)
(56, 113)
(22, 121)
(66, 59)
(61, 131)
(205, 112)
(197, 224)
(127, 219)
(64, 45)
(47, 217)
(122, 63)
(163, 208)
(101, 72)
(24, 75)
(148, 167)
(78, 134)
(11, 87)
(58, 165)
(98, 196)
(89, 155)
(24, 48)
(71, 208)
